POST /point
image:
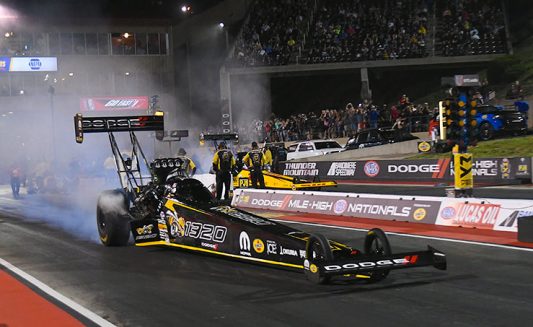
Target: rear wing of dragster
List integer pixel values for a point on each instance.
(128, 169)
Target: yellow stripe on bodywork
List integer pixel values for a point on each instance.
(170, 202)
(193, 248)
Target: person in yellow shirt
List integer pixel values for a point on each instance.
(188, 167)
(268, 157)
(223, 164)
(255, 160)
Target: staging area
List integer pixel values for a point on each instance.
(484, 285)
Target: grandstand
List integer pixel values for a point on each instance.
(313, 31)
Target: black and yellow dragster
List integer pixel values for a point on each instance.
(174, 211)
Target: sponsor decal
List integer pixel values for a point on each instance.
(505, 168)
(271, 247)
(210, 246)
(244, 244)
(471, 215)
(419, 214)
(412, 168)
(146, 229)
(512, 220)
(448, 213)
(523, 169)
(371, 168)
(177, 225)
(259, 246)
(145, 232)
(369, 264)
(32, 64)
(300, 169)
(207, 232)
(442, 166)
(340, 206)
(424, 146)
(114, 103)
(245, 216)
(342, 169)
(313, 268)
(289, 252)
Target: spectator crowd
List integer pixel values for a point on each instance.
(312, 31)
(335, 123)
(471, 27)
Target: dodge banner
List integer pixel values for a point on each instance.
(491, 214)
(422, 211)
(484, 170)
(114, 103)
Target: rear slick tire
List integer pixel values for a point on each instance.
(112, 218)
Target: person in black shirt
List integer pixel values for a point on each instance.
(223, 164)
(255, 160)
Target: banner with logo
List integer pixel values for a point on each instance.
(491, 214)
(485, 170)
(495, 214)
(114, 103)
(30, 64)
(341, 204)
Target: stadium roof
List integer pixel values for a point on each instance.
(165, 9)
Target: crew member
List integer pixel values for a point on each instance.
(15, 182)
(223, 164)
(188, 167)
(255, 160)
(268, 157)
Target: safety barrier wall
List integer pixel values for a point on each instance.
(494, 214)
(485, 170)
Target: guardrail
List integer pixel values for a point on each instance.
(492, 214)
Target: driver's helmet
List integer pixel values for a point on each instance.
(181, 152)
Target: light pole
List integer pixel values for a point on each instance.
(51, 91)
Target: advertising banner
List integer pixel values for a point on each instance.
(485, 170)
(33, 64)
(422, 211)
(495, 214)
(114, 103)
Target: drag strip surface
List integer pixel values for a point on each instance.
(132, 286)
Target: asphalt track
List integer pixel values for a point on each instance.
(501, 192)
(129, 286)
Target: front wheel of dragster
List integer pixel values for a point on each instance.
(317, 249)
(377, 245)
(112, 218)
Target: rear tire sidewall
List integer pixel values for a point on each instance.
(112, 218)
(376, 237)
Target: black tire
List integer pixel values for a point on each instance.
(377, 245)
(318, 249)
(486, 132)
(112, 218)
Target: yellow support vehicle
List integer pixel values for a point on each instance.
(280, 182)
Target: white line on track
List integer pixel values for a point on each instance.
(509, 247)
(57, 296)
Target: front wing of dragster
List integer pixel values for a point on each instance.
(361, 265)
